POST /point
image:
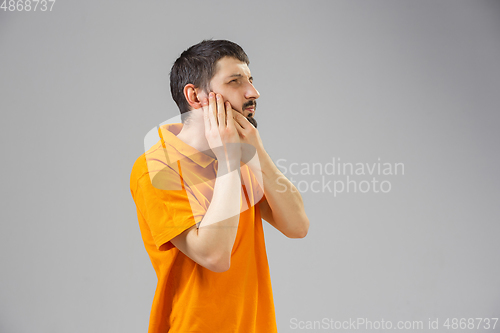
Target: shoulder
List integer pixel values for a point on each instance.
(155, 171)
(139, 169)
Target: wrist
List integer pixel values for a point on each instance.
(226, 166)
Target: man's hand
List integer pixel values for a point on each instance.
(249, 137)
(282, 209)
(211, 244)
(221, 132)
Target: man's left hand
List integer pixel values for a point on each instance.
(249, 137)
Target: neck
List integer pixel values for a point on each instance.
(193, 134)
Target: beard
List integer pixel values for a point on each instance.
(252, 120)
(250, 117)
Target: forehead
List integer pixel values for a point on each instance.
(228, 66)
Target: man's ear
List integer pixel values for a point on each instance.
(193, 95)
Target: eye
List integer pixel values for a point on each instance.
(233, 80)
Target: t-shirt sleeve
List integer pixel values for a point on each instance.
(168, 209)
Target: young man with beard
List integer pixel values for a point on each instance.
(200, 193)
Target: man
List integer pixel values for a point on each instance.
(200, 193)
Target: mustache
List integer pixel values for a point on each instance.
(250, 117)
(249, 104)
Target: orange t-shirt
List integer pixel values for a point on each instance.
(172, 185)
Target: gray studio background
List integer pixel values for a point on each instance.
(412, 82)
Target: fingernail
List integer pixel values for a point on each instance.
(211, 95)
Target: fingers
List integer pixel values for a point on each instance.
(221, 111)
(235, 119)
(239, 128)
(229, 112)
(206, 115)
(241, 120)
(212, 109)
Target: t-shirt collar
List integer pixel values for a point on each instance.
(169, 133)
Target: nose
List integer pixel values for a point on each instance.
(251, 92)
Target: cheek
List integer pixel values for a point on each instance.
(235, 104)
(234, 98)
(239, 111)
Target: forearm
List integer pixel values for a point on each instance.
(218, 228)
(283, 198)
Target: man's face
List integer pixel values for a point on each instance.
(233, 81)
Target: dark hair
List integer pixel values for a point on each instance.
(197, 66)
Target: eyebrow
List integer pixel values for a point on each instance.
(239, 75)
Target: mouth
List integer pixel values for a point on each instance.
(251, 110)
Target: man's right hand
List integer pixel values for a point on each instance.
(221, 132)
(211, 244)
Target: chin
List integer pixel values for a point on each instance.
(252, 121)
